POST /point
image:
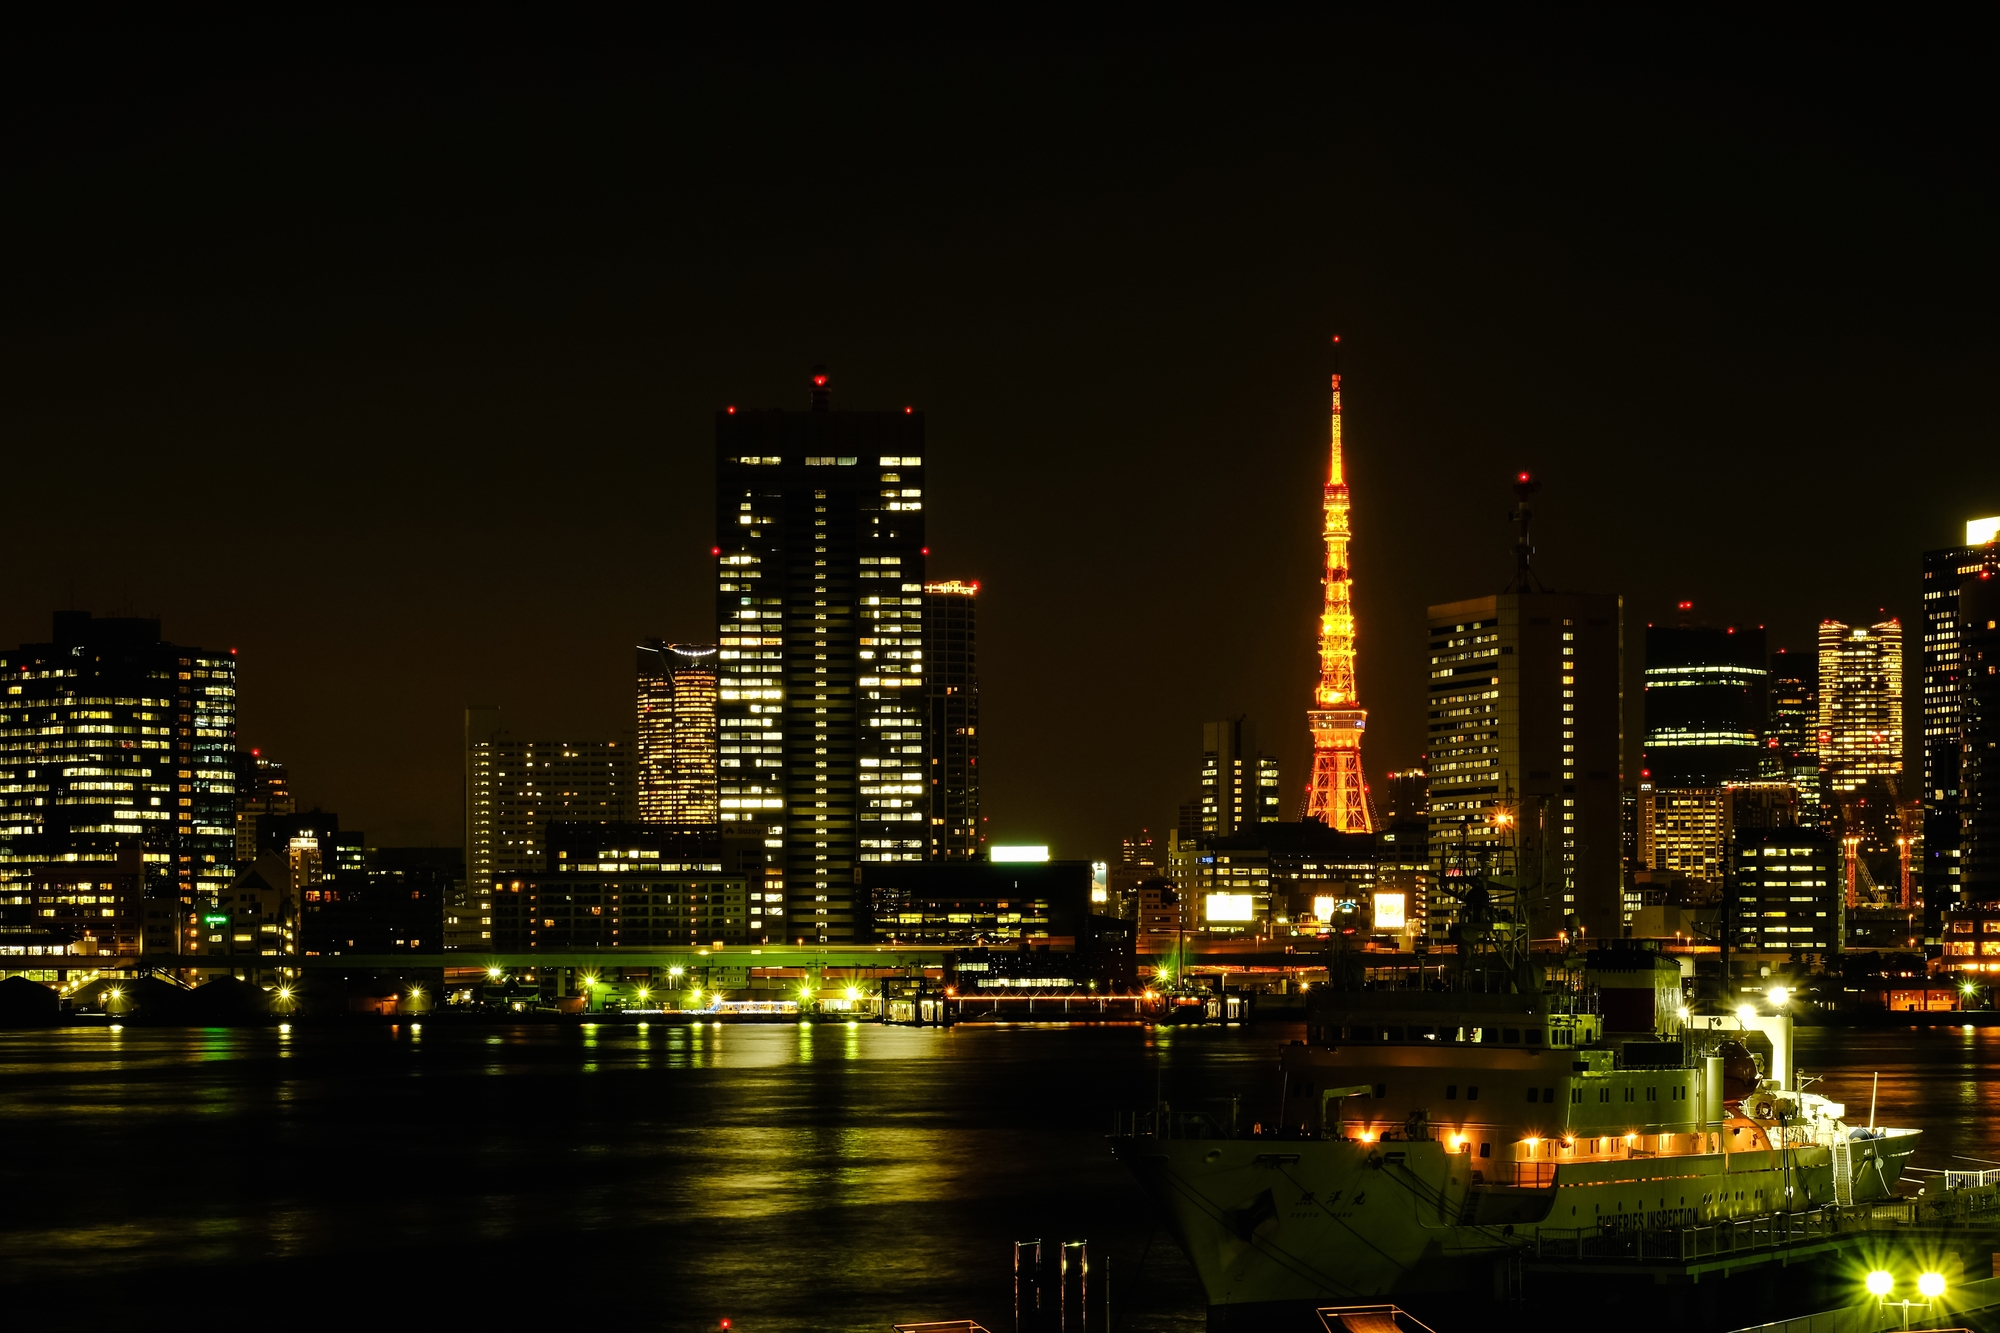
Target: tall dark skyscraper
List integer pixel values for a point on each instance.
(1791, 745)
(951, 692)
(112, 737)
(819, 549)
(1979, 761)
(1707, 702)
(1239, 785)
(1526, 745)
(1946, 683)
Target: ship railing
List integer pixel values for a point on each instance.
(1170, 1124)
(1670, 1234)
(1965, 1180)
(1516, 1175)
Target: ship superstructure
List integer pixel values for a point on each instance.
(1338, 793)
(1425, 1135)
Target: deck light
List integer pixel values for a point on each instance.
(1880, 1283)
(853, 992)
(494, 973)
(1779, 995)
(1746, 1015)
(1931, 1285)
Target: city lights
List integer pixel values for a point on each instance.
(1881, 1283)
(1779, 995)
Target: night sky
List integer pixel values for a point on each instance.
(394, 367)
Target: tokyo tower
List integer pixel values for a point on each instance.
(1338, 795)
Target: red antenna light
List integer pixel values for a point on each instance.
(1524, 476)
(715, 550)
(927, 550)
(1336, 337)
(818, 380)
(1687, 606)
(732, 409)
(908, 410)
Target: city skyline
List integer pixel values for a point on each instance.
(464, 446)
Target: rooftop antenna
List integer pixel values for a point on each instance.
(1524, 548)
(822, 392)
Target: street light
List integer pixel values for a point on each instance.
(1881, 1283)
(1779, 995)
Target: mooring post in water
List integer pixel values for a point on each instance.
(1027, 1285)
(1079, 1271)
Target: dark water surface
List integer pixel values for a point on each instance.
(825, 1177)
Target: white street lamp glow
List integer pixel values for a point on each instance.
(1745, 1015)
(1931, 1285)
(1880, 1283)
(1779, 995)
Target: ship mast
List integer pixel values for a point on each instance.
(1337, 795)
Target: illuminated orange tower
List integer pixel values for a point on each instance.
(1338, 794)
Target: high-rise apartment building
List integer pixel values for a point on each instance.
(1948, 574)
(1239, 786)
(678, 747)
(1860, 707)
(111, 737)
(1525, 736)
(1791, 745)
(515, 788)
(951, 694)
(1707, 703)
(820, 612)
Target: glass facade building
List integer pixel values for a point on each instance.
(112, 738)
(1707, 704)
(1239, 786)
(821, 707)
(678, 685)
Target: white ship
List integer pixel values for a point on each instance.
(1424, 1136)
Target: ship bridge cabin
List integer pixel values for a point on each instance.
(1521, 1083)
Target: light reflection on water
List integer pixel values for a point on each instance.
(826, 1176)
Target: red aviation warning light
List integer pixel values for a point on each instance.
(715, 550)
(1522, 477)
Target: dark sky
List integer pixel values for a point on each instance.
(393, 365)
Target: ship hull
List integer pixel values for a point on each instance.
(1265, 1220)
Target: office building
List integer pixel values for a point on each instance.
(1684, 831)
(1036, 905)
(1239, 786)
(611, 886)
(951, 695)
(93, 907)
(1707, 700)
(1948, 573)
(1791, 743)
(1337, 794)
(1525, 733)
(111, 737)
(1406, 796)
(1861, 730)
(678, 748)
(820, 612)
(1785, 893)
(263, 789)
(515, 788)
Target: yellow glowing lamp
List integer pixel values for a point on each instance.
(641, 992)
(805, 994)
(1746, 1015)
(694, 993)
(1880, 1283)
(1931, 1285)
(1779, 995)
(494, 973)
(853, 992)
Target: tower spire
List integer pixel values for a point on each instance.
(1338, 794)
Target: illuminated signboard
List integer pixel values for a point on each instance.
(1323, 908)
(1229, 907)
(1100, 881)
(1018, 853)
(1389, 911)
